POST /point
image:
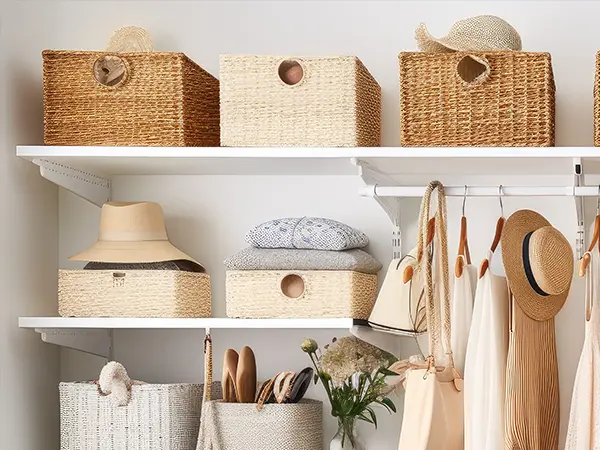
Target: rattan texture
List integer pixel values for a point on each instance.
(336, 104)
(158, 417)
(165, 100)
(133, 293)
(327, 293)
(512, 107)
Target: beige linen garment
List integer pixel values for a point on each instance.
(584, 420)
(532, 395)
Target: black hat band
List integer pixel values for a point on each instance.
(527, 267)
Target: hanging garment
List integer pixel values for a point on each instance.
(584, 426)
(485, 365)
(532, 395)
(462, 312)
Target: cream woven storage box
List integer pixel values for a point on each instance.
(503, 99)
(133, 293)
(300, 294)
(158, 417)
(162, 99)
(336, 103)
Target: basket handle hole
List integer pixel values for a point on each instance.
(291, 72)
(473, 69)
(292, 286)
(110, 70)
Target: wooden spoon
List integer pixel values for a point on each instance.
(230, 366)
(246, 376)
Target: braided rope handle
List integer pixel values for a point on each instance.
(435, 323)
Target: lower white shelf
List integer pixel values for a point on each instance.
(168, 323)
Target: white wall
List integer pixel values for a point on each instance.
(208, 216)
(29, 369)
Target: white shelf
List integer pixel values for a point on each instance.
(160, 323)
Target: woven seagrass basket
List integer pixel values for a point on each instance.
(335, 103)
(158, 417)
(133, 293)
(161, 99)
(300, 294)
(503, 99)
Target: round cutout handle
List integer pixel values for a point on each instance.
(292, 286)
(473, 70)
(110, 70)
(291, 72)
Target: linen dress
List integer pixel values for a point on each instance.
(461, 313)
(584, 419)
(532, 394)
(485, 366)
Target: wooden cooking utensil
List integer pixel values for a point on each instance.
(230, 367)
(246, 376)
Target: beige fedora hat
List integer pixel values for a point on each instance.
(538, 261)
(475, 34)
(132, 232)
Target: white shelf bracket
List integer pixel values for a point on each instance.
(93, 188)
(95, 342)
(391, 205)
(579, 206)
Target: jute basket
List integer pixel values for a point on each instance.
(245, 426)
(154, 99)
(444, 103)
(300, 294)
(133, 293)
(337, 102)
(158, 417)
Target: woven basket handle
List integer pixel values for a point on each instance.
(208, 368)
(473, 70)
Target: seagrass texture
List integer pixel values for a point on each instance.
(158, 417)
(242, 426)
(165, 100)
(327, 293)
(336, 104)
(512, 107)
(133, 293)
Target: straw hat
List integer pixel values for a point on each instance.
(477, 34)
(132, 233)
(538, 261)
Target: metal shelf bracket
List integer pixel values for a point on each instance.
(93, 188)
(95, 342)
(391, 205)
(579, 206)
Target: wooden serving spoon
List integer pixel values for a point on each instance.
(246, 376)
(230, 367)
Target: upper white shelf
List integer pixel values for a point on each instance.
(111, 161)
(168, 323)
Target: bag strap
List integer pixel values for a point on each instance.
(208, 363)
(439, 327)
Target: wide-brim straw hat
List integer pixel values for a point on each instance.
(476, 34)
(132, 232)
(538, 261)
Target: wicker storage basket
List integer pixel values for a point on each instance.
(243, 426)
(337, 103)
(509, 105)
(164, 99)
(158, 417)
(300, 294)
(133, 293)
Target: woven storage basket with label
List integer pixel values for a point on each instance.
(276, 101)
(133, 293)
(300, 294)
(158, 417)
(128, 98)
(502, 98)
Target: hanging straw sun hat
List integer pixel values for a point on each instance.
(477, 34)
(538, 261)
(132, 233)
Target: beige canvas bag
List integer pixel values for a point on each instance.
(433, 403)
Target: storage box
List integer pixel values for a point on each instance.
(335, 103)
(133, 293)
(153, 99)
(503, 99)
(300, 294)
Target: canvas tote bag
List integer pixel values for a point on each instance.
(433, 402)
